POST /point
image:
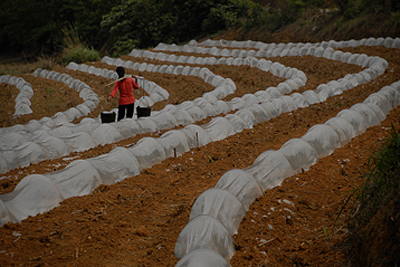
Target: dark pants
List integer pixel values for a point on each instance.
(125, 108)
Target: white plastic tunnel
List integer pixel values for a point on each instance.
(300, 154)
(115, 166)
(202, 257)
(205, 232)
(242, 185)
(33, 195)
(221, 205)
(270, 169)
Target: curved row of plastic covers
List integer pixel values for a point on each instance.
(20, 148)
(21, 145)
(90, 98)
(85, 92)
(156, 92)
(216, 214)
(375, 65)
(36, 141)
(22, 101)
(386, 42)
(273, 49)
(294, 75)
(122, 163)
(80, 137)
(295, 78)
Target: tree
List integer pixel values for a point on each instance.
(36, 26)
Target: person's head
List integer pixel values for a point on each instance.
(120, 71)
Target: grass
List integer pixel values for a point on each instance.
(381, 184)
(79, 54)
(374, 228)
(75, 50)
(43, 61)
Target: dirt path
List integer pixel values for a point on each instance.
(137, 221)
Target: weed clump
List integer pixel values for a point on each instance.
(374, 229)
(75, 50)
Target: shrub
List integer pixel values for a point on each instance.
(76, 50)
(79, 54)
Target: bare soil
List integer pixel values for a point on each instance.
(136, 222)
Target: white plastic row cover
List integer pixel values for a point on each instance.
(156, 92)
(216, 213)
(85, 92)
(22, 101)
(21, 148)
(238, 56)
(386, 42)
(21, 145)
(217, 129)
(295, 155)
(91, 99)
(65, 139)
(276, 68)
(376, 66)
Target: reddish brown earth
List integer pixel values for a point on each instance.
(137, 221)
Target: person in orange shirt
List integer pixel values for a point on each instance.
(126, 103)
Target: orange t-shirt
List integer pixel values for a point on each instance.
(125, 87)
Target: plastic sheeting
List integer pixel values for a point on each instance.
(128, 128)
(79, 178)
(371, 118)
(219, 128)
(242, 185)
(9, 141)
(115, 166)
(238, 123)
(106, 134)
(175, 143)
(202, 258)
(148, 152)
(20, 152)
(78, 142)
(204, 232)
(53, 147)
(323, 139)
(24, 154)
(33, 195)
(343, 129)
(22, 102)
(355, 119)
(222, 205)
(269, 169)
(197, 135)
(300, 154)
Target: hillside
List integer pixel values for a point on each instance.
(137, 221)
(136, 216)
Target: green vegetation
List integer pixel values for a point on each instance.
(117, 26)
(75, 50)
(145, 23)
(23, 66)
(374, 230)
(41, 35)
(35, 27)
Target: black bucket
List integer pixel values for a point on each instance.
(143, 112)
(107, 117)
